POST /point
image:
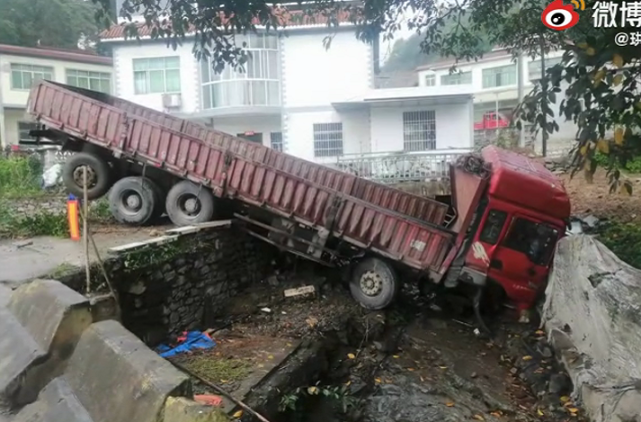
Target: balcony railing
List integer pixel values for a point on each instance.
(393, 167)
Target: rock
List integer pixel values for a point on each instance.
(559, 384)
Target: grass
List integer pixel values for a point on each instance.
(217, 369)
(20, 177)
(624, 239)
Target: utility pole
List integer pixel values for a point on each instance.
(519, 81)
(544, 91)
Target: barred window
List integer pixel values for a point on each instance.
(328, 139)
(276, 140)
(419, 130)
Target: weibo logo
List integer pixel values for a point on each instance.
(559, 16)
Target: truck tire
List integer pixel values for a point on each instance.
(187, 203)
(133, 200)
(374, 284)
(99, 175)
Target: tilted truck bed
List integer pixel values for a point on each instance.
(420, 207)
(248, 172)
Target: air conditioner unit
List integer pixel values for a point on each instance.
(171, 101)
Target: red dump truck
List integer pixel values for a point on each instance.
(500, 225)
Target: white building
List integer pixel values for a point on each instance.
(294, 94)
(493, 81)
(21, 66)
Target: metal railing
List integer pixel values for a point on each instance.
(393, 167)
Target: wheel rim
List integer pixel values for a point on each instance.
(78, 177)
(189, 204)
(131, 202)
(371, 283)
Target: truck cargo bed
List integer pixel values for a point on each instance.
(420, 207)
(257, 176)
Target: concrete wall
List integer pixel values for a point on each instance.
(181, 285)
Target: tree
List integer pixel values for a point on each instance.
(53, 23)
(602, 96)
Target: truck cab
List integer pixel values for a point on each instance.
(525, 213)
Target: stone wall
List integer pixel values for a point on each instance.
(166, 289)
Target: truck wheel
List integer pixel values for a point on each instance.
(374, 284)
(133, 200)
(187, 203)
(98, 175)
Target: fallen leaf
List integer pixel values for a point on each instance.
(312, 391)
(422, 379)
(479, 418)
(238, 414)
(564, 399)
(395, 356)
(443, 367)
(527, 357)
(348, 383)
(539, 412)
(270, 357)
(496, 414)
(573, 410)
(378, 380)
(539, 332)
(450, 404)
(351, 356)
(224, 381)
(410, 369)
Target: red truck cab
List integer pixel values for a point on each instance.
(525, 213)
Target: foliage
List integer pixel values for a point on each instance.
(42, 223)
(339, 394)
(624, 239)
(632, 166)
(20, 177)
(55, 23)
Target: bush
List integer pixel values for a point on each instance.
(632, 166)
(624, 239)
(40, 224)
(20, 176)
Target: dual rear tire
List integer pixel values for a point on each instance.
(137, 200)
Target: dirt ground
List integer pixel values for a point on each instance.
(595, 199)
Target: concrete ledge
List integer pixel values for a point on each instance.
(56, 403)
(53, 314)
(180, 409)
(118, 379)
(18, 353)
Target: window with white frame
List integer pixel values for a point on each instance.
(460, 78)
(276, 140)
(257, 84)
(499, 76)
(95, 81)
(430, 79)
(328, 139)
(419, 130)
(158, 75)
(534, 67)
(23, 76)
(23, 132)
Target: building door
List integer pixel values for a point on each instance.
(252, 137)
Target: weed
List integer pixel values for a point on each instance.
(624, 239)
(43, 223)
(99, 211)
(339, 394)
(20, 177)
(217, 369)
(632, 166)
(62, 270)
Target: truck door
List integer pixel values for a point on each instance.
(521, 260)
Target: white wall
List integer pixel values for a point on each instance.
(123, 55)
(314, 76)
(453, 126)
(299, 133)
(356, 131)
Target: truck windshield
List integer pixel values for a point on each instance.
(535, 240)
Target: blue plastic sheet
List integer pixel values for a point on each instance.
(191, 341)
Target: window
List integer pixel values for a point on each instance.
(277, 141)
(535, 240)
(258, 84)
(430, 80)
(493, 226)
(534, 67)
(95, 81)
(23, 132)
(419, 130)
(499, 76)
(24, 75)
(461, 78)
(157, 76)
(328, 139)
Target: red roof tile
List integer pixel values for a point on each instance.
(289, 19)
(81, 56)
